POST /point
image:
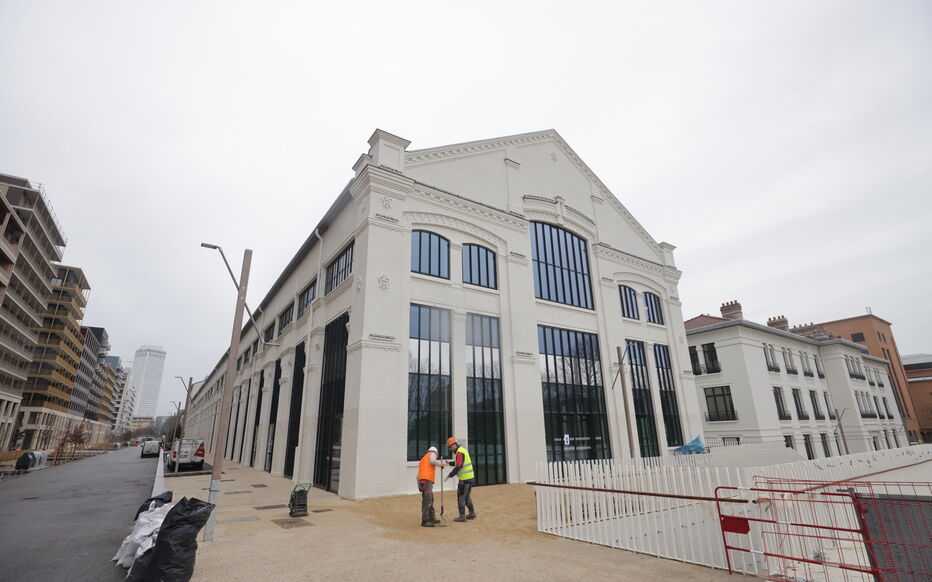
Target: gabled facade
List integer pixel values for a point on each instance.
(761, 383)
(482, 290)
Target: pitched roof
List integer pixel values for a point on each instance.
(702, 321)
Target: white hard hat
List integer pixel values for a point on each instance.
(432, 449)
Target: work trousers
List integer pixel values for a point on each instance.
(464, 496)
(427, 500)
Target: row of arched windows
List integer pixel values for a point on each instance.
(560, 262)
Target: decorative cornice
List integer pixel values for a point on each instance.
(640, 280)
(603, 250)
(373, 345)
(461, 204)
(458, 224)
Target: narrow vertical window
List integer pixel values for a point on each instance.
(560, 261)
(800, 408)
(484, 406)
(479, 266)
(629, 302)
(430, 254)
(668, 405)
(643, 401)
(654, 308)
(430, 420)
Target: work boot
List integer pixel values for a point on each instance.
(460, 519)
(427, 524)
(435, 521)
(472, 515)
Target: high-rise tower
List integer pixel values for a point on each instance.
(148, 365)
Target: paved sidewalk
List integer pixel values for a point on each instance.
(66, 522)
(381, 539)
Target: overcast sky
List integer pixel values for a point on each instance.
(785, 148)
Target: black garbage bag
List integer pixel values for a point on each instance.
(172, 557)
(24, 462)
(160, 500)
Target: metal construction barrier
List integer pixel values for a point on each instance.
(692, 511)
(826, 531)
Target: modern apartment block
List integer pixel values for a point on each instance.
(28, 288)
(124, 397)
(12, 232)
(482, 290)
(148, 365)
(764, 383)
(918, 369)
(55, 397)
(103, 381)
(876, 335)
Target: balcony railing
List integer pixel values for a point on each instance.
(821, 374)
(807, 373)
(819, 416)
(784, 415)
(721, 415)
(773, 368)
(698, 370)
(857, 376)
(792, 371)
(802, 415)
(868, 415)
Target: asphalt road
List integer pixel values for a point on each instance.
(80, 515)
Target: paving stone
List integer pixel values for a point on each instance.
(291, 522)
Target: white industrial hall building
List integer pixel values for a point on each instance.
(480, 290)
(821, 395)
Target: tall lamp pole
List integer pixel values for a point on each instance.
(227, 397)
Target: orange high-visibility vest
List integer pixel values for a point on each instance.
(425, 470)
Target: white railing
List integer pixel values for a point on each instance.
(665, 506)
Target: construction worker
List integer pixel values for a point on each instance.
(426, 477)
(467, 475)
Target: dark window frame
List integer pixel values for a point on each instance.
(573, 394)
(653, 307)
(485, 408)
(340, 268)
(285, 318)
(482, 264)
(782, 412)
(629, 302)
(668, 403)
(430, 379)
(430, 254)
(560, 262)
(801, 413)
(306, 297)
(719, 404)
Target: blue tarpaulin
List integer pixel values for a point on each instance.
(693, 447)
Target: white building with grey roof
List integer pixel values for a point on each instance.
(482, 290)
(764, 383)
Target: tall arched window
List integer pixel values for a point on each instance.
(479, 266)
(629, 302)
(654, 308)
(430, 254)
(561, 266)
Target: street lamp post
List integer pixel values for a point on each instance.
(227, 397)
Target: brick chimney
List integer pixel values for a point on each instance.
(779, 322)
(732, 310)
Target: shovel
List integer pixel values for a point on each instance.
(443, 520)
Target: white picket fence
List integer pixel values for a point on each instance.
(678, 528)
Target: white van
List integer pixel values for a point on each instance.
(187, 453)
(151, 448)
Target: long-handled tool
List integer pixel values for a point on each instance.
(443, 520)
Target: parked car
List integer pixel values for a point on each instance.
(187, 453)
(151, 448)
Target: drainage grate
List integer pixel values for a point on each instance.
(29, 498)
(323, 510)
(261, 507)
(258, 485)
(291, 523)
(235, 492)
(227, 480)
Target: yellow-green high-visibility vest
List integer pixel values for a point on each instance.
(467, 471)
